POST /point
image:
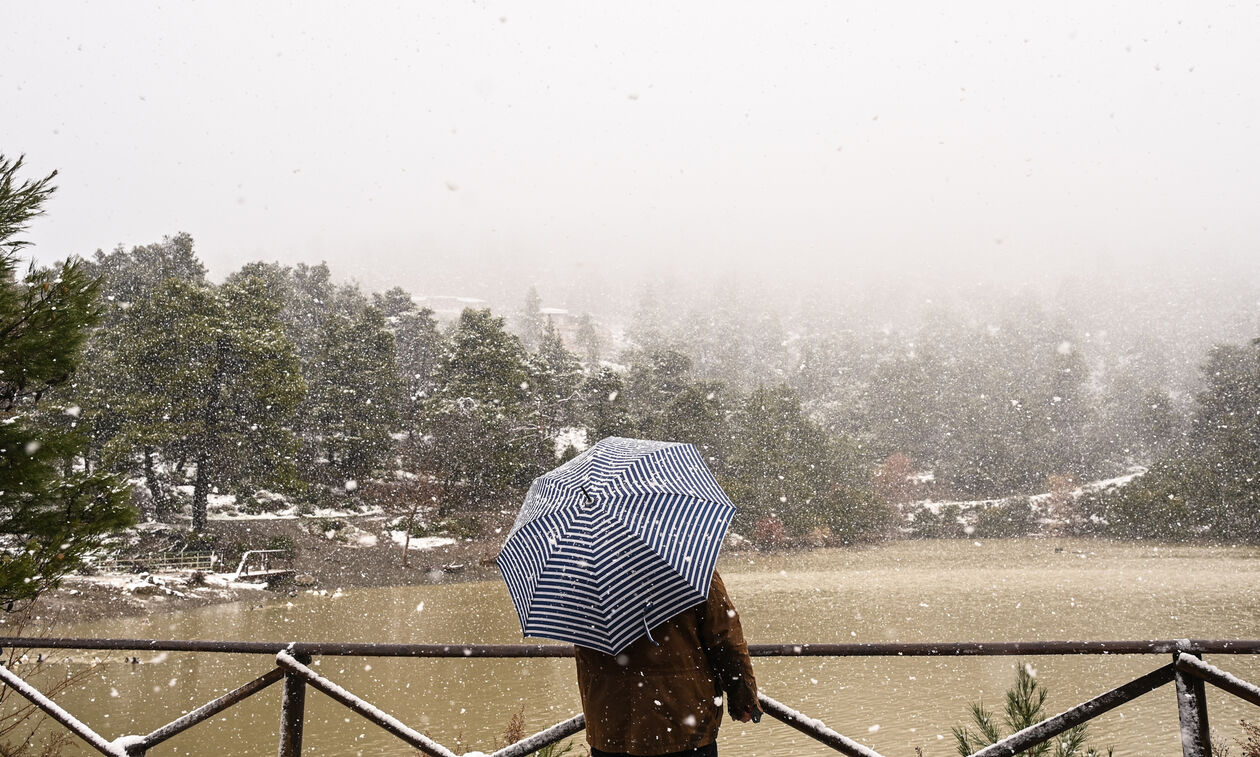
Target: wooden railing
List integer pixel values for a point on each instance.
(1186, 670)
(163, 561)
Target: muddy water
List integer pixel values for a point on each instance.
(906, 591)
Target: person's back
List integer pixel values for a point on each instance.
(666, 697)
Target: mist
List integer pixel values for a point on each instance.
(811, 150)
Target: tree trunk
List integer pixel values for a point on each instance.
(209, 436)
(411, 519)
(161, 503)
(200, 494)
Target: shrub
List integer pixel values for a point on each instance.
(1025, 706)
(515, 731)
(769, 533)
(928, 524)
(1011, 517)
(1251, 731)
(284, 544)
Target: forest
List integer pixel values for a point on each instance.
(282, 383)
(134, 386)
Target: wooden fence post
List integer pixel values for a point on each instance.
(293, 711)
(1192, 712)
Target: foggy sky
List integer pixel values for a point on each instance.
(474, 148)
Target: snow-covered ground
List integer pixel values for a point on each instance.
(172, 583)
(935, 506)
(225, 507)
(421, 542)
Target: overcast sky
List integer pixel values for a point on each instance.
(446, 146)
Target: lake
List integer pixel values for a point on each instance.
(946, 590)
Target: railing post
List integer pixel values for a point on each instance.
(293, 711)
(1192, 711)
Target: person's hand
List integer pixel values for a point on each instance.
(754, 715)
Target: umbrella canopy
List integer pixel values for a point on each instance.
(617, 540)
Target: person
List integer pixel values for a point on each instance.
(662, 696)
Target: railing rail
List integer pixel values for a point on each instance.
(1187, 670)
(262, 558)
(874, 649)
(163, 561)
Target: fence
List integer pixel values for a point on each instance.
(1187, 671)
(163, 561)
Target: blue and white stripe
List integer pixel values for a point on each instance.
(600, 572)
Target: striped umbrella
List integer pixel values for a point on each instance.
(617, 540)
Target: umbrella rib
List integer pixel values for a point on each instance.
(560, 552)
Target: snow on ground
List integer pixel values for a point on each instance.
(291, 513)
(1036, 499)
(570, 436)
(352, 536)
(222, 507)
(131, 583)
(421, 542)
(228, 581)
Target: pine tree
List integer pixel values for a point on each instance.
(588, 340)
(483, 362)
(51, 515)
(124, 415)
(479, 442)
(554, 377)
(419, 345)
(352, 404)
(209, 376)
(393, 302)
(1025, 706)
(605, 410)
(783, 466)
(530, 322)
(132, 275)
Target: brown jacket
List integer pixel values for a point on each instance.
(667, 697)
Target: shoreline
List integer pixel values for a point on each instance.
(357, 555)
(360, 554)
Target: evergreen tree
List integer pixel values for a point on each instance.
(309, 302)
(352, 404)
(1209, 486)
(419, 345)
(656, 376)
(133, 275)
(393, 302)
(478, 441)
(555, 376)
(1025, 707)
(530, 322)
(588, 340)
(782, 467)
(483, 362)
(347, 353)
(1067, 415)
(211, 378)
(647, 325)
(51, 515)
(605, 410)
(124, 413)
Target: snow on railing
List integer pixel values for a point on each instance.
(265, 569)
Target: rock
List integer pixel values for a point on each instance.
(304, 579)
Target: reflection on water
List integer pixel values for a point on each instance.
(905, 591)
